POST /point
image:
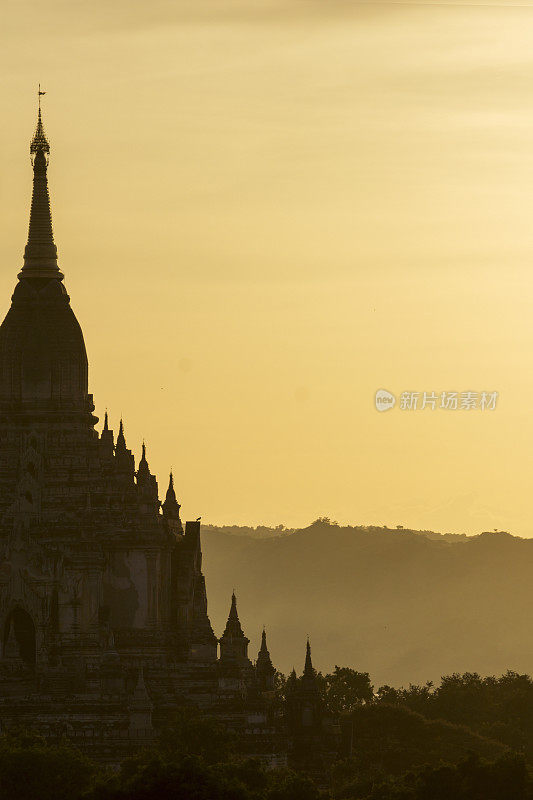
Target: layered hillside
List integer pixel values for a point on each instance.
(405, 606)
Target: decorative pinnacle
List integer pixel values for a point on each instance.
(308, 669)
(121, 439)
(143, 473)
(264, 662)
(171, 507)
(40, 255)
(233, 628)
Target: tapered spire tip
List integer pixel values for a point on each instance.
(308, 668)
(40, 255)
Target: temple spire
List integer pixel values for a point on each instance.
(121, 439)
(171, 508)
(233, 642)
(143, 472)
(233, 625)
(309, 671)
(40, 255)
(107, 438)
(264, 668)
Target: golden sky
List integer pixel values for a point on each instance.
(268, 209)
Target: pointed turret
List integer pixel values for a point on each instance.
(263, 649)
(264, 668)
(124, 460)
(233, 642)
(147, 486)
(143, 472)
(309, 671)
(121, 439)
(171, 508)
(292, 680)
(233, 625)
(40, 255)
(305, 707)
(107, 438)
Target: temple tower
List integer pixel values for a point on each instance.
(233, 642)
(264, 668)
(103, 603)
(43, 361)
(88, 555)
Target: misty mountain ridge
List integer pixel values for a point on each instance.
(268, 532)
(404, 605)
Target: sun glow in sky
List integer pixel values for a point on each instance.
(267, 210)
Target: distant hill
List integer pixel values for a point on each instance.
(406, 606)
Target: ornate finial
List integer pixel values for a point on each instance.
(39, 141)
(143, 456)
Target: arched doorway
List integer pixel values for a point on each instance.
(19, 636)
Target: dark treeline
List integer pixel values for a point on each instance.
(469, 738)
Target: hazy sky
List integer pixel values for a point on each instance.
(268, 209)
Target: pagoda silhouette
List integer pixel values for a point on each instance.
(103, 604)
